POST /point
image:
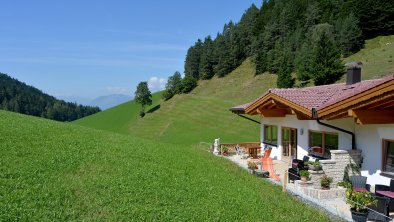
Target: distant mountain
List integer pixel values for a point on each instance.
(19, 97)
(105, 102)
(76, 99)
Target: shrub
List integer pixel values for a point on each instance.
(304, 173)
(359, 201)
(252, 165)
(325, 181)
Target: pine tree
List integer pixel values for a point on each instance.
(303, 63)
(207, 60)
(326, 65)
(349, 35)
(285, 80)
(143, 96)
(192, 62)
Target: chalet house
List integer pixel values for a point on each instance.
(355, 118)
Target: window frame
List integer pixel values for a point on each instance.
(323, 133)
(271, 141)
(384, 153)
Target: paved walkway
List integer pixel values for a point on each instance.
(335, 206)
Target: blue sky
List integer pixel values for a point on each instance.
(88, 49)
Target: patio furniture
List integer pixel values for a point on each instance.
(268, 165)
(296, 166)
(267, 153)
(239, 151)
(382, 207)
(359, 183)
(384, 191)
(253, 151)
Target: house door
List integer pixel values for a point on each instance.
(289, 144)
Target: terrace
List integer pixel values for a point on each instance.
(331, 200)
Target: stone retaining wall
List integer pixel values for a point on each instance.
(339, 160)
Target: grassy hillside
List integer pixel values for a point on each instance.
(200, 116)
(377, 57)
(119, 118)
(51, 171)
(203, 114)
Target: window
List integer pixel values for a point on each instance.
(388, 156)
(321, 143)
(271, 134)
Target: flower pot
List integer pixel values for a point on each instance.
(252, 171)
(359, 216)
(304, 179)
(314, 167)
(325, 188)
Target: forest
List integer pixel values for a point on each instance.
(302, 41)
(18, 97)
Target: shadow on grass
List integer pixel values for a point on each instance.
(153, 109)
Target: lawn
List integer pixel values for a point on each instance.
(52, 171)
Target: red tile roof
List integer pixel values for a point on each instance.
(320, 97)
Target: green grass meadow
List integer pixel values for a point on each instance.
(116, 166)
(204, 115)
(118, 119)
(51, 171)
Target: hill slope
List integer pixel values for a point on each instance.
(18, 97)
(377, 57)
(203, 114)
(52, 171)
(120, 118)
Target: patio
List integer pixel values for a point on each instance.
(335, 206)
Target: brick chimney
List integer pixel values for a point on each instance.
(353, 74)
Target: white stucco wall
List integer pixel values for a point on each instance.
(369, 140)
(344, 140)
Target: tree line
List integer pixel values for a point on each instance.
(300, 40)
(18, 97)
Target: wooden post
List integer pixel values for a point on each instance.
(285, 181)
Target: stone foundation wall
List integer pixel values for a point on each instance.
(339, 160)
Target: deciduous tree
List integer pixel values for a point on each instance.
(143, 96)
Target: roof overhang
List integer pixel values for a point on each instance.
(373, 106)
(272, 105)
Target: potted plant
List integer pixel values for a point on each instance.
(325, 182)
(359, 201)
(344, 184)
(316, 166)
(223, 150)
(252, 166)
(304, 175)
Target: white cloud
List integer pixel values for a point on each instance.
(156, 83)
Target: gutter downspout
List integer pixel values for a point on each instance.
(315, 116)
(249, 119)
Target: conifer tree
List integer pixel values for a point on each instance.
(207, 60)
(285, 80)
(192, 61)
(349, 35)
(326, 65)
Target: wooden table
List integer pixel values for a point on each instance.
(252, 151)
